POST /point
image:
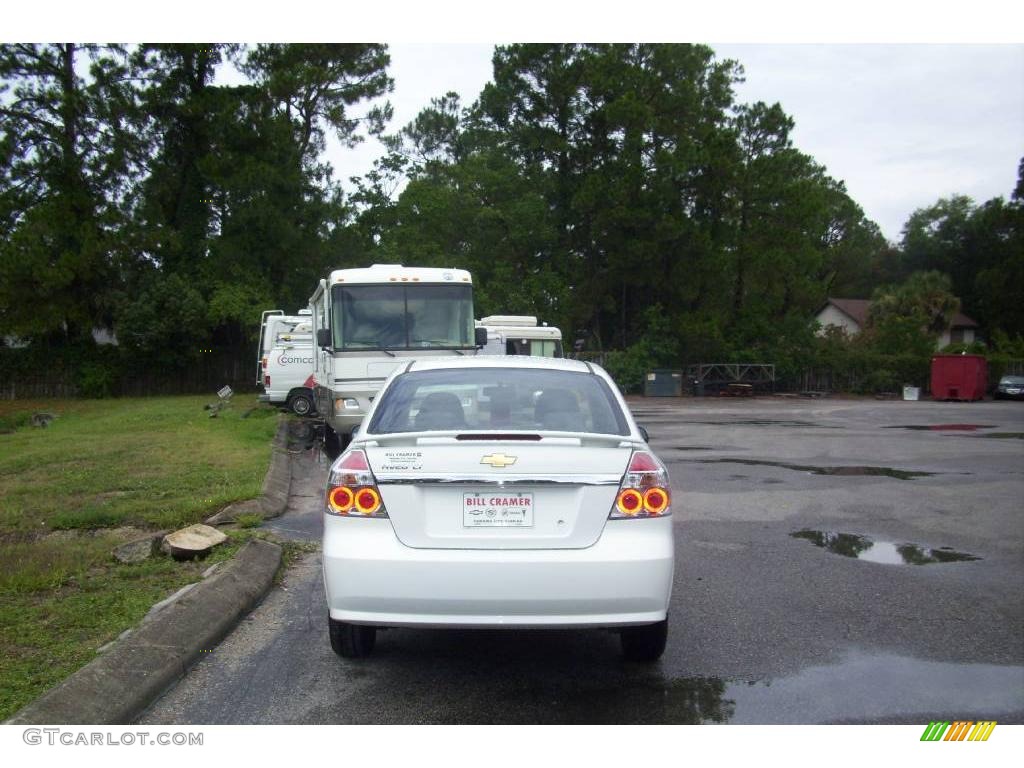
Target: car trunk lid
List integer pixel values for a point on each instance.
(537, 492)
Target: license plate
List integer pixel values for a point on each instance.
(497, 510)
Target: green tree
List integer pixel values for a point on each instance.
(589, 183)
(613, 136)
(315, 85)
(981, 248)
(909, 317)
(63, 171)
(237, 199)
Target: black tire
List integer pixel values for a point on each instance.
(645, 643)
(301, 404)
(332, 443)
(351, 641)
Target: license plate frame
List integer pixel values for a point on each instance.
(485, 509)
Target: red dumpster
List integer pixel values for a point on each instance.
(959, 377)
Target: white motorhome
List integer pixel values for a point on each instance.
(286, 360)
(369, 321)
(520, 335)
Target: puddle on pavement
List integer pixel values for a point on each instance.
(886, 552)
(875, 687)
(855, 471)
(942, 427)
(880, 688)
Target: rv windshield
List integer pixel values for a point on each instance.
(402, 317)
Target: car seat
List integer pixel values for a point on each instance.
(440, 410)
(558, 409)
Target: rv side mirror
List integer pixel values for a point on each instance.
(323, 337)
(480, 337)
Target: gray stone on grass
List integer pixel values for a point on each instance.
(42, 419)
(139, 549)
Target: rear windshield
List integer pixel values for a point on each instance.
(499, 399)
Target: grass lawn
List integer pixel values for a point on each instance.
(101, 473)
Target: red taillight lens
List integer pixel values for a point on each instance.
(367, 501)
(644, 491)
(352, 488)
(341, 499)
(354, 461)
(643, 462)
(629, 502)
(264, 362)
(266, 381)
(656, 501)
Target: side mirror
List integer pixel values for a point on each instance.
(323, 337)
(480, 337)
(643, 433)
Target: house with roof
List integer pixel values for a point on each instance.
(852, 316)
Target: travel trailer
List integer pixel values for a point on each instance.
(520, 335)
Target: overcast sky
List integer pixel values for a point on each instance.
(901, 125)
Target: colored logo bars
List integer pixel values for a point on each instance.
(959, 730)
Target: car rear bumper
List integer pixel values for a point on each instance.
(372, 578)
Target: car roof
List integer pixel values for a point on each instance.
(500, 361)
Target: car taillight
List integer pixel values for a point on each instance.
(644, 491)
(352, 488)
(264, 363)
(266, 381)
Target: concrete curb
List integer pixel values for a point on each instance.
(276, 485)
(118, 686)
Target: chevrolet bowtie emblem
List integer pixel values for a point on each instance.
(499, 460)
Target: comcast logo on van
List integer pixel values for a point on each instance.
(284, 359)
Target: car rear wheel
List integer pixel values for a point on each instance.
(645, 643)
(351, 641)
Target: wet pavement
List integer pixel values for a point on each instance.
(766, 627)
(898, 474)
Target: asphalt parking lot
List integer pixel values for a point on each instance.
(898, 599)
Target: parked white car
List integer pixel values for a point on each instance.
(485, 492)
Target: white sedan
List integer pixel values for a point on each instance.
(486, 492)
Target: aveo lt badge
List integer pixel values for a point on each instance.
(499, 460)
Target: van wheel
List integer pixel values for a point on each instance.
(645, 643)
(351, 641)
(301, 404)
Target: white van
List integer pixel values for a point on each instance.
(286, 361)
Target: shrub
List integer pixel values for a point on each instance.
(96, 379)
(628, 367)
